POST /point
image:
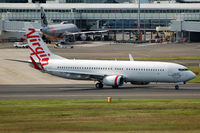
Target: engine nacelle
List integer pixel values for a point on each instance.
(140, 83)
(113, 80)
(83, 37)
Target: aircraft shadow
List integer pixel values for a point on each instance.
(17, 60)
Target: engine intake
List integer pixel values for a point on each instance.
(113, 80)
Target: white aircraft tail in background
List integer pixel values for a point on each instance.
(44, 22)
(64, 30)
(111, 73)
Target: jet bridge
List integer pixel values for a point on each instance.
(186, 30)
(13, 30)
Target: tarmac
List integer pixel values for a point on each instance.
(88, 91)
(19, 80)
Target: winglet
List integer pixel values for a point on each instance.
(131, 57)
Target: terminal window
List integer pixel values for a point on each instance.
(74, 1)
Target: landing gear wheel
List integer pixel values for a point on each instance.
(176, 87)
(99, 85)
(115, 86)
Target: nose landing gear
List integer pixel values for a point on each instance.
(176, 87)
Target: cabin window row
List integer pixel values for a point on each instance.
(105, 11)
(91, 68)
(144, 69)
(136, 11)
(105, 68)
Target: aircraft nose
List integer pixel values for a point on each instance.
(45, 29)
(191, 75)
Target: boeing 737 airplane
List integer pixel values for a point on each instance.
(110, 73)
(63, 30)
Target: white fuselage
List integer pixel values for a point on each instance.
(132, 71)
(111, 73)
(59, 30)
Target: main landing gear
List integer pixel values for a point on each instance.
(115, 87)
(99, 85)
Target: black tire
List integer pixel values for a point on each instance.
(176, 87)
(99, 85)
(115, 86)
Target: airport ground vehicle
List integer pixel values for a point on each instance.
(62, 46)
(20, 45)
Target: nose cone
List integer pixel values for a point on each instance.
(191, 75)
(44, 30)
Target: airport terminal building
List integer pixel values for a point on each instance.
(98, 16)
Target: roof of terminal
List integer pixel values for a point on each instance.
(99, 6)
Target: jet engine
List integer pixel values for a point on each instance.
(113, 80)
(83, 37)
(140, 83)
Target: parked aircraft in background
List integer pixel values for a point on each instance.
(63, 30)
(111, 73)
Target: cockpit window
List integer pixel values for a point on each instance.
(183, 69)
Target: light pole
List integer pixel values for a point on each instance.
(138, 26)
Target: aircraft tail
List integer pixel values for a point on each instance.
(39, 52)
(44, 22)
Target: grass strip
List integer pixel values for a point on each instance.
(139, 115)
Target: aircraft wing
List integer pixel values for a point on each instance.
(86, 75)
(87, 32)
(21, 31)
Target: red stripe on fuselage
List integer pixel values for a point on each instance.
(53, 29)
(116, 80)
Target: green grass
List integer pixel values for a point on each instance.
(141, 115)
(153, 58)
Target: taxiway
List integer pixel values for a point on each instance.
(20, 81)
(88, 91)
